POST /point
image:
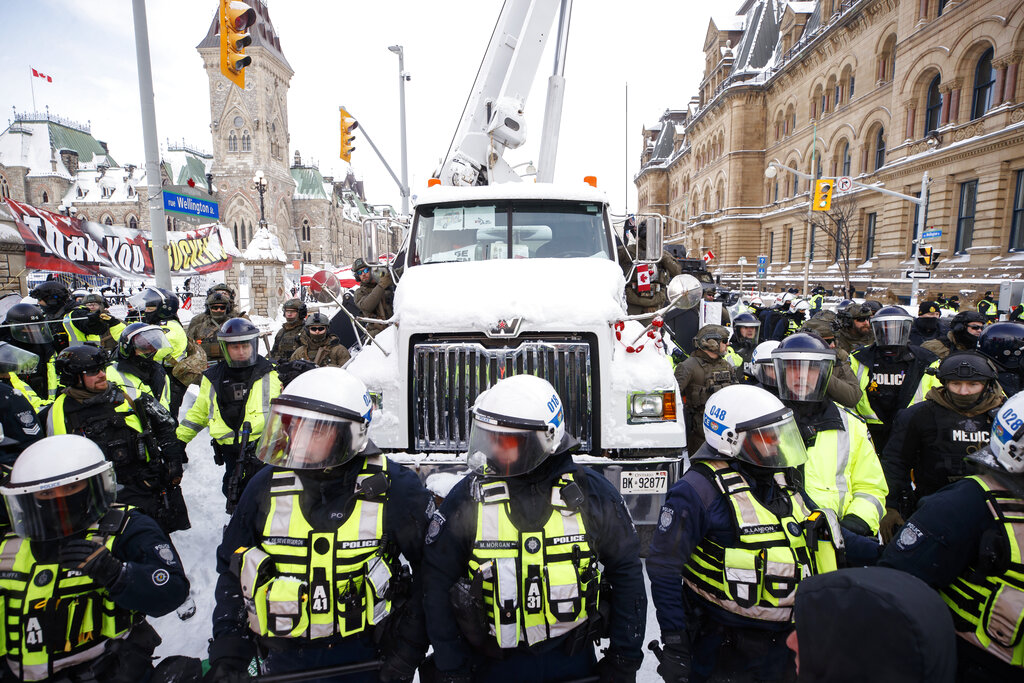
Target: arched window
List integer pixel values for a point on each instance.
(942, 7)
(844, 158)
(234, 233)
(305, 230)
(933, 106)
(232, 141)
(880, 148)
(108, 221)
(246, 141)
(46, 197)
(984, 78)
(133, 222)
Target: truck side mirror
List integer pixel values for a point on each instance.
(654, 244)
(685, 292)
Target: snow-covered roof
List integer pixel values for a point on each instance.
(35, 142)
(113, 185)
(571, 192)
(761, 36)
(182, 164)
(309, 183)
(264, 246)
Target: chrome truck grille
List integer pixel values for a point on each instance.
(448, 376)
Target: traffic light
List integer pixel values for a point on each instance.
(235, 18)
(926, 256)
(823, 194)
(348, 126)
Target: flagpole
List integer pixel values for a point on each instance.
(32, 84)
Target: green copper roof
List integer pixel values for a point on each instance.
(88, 148)
(309, 184)
(192, 168)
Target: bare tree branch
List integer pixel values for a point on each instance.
(837, 224)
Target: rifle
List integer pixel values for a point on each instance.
(236, 483)
(156, 454)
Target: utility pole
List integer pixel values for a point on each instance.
(402, 78)
(154, 195)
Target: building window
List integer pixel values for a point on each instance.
(846, 158)
(811, 250)
(108, 221)
(246, 141)
(965, 216)
(850, 89)
(5, 190)
(838, 94)
(1017, 224)
(796, 185)
(933, 106)
(942, 7)
(984, 78)
(771, 247)
(305, 230)
(869, 242)
(824, 103)
(776, 191)
(133, 222)
(880, 148)
(232, 142)
(789, 251)
(46, 197)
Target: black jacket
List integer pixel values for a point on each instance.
(912, 361)
(20, 426)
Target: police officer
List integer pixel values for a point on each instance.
(96, 328)
(891, 372)
(817, 300)
(964, 330)
(989, 308)
(79, 574)
(842, 470)
(18, 424)
(55, 301)
(287, 339)
(233, 401)
(1004, 344)
(745, 331)
(761, 369)
(517, 554)
(374, 297)
(962, 541)
(928, 324)
(319, 346)
(310, 573)
(137, 435)
(843, 387)
(135, 369)
(791, 320)
(702, 374)
(932, 438)
(202, 329)
(159, 307)
(26, 328)
(854, 327)
(737, 511)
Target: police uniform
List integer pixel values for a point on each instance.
(62, 625)
(41, 386)
(100, 329)
(19, 423)
(136, 378)
(309, 573)
(520, 557)
(989, 308)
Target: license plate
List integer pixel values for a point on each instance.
(644, 481)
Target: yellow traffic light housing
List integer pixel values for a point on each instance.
(348, 126)
(926, 256)
(823, 194)
(235, 18)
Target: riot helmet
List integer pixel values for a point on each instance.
(78, 296)
(967, 327)
(873, 305)
(1003, 343)
(239, 343)
(296, 305)
(891, 326)
(27, 324)
(75, 361)
(803, 364)
(1005, 449)
(94, 302)
(59, 486)
(761, 365)
(746, 321)
(155, 304)
(143, 341)
(517, 424)
(52, 294)
(749, 424)
(16, 360)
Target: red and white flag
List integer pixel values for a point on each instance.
(643, 278)
(708, 256)
(38, 74)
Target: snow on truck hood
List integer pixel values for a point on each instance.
(476, 295)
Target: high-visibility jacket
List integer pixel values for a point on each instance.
(116, 449)
(863, 371)
(843, 472)
(132, 385)
(55, 619)
(536, 585)
(52, 386)
(179, 342)
(817, 301)
(302, 583)
(758, 577)
(206, 413)
(76, 337)
(987, 610)
(733, 357)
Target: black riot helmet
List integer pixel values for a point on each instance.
(960, 327)
(238, 331)
(156, 304)
(966, 366)
(891, 326)
(52, 294)
(74, 361)
(803, 364)
(296, 305)
(1003, 343)
(27, 324)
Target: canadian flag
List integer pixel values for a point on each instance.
(708, 256)
(41, 75)
(188, 304)
(643, 278)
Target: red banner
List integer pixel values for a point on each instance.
(69, 245)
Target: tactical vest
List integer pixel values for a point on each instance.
(257, 409)
(119, 436)
(50, 625)
(536, 585)
(988, 611)
(133, 386)
(758, 577)
(300, 583)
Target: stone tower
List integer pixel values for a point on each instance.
(250, 133)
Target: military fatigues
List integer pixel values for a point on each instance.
(340, 602)
(848, 340)
(286, 341)
(531, 544)
(179, 351)
(657, 297)
(699, 376)
(374, 299)
(202, 329)
(945, 345)
(843, 386)
(103, 634)
(329, 352)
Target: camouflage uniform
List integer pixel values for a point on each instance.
(286, 341)
(699, 376)
(202, 329)
(329, 351)
(375, 301)
(646, 302)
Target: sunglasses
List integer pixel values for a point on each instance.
(317, 329)
(94, 372)
(976, 327)
(218, 307)
(361, 271)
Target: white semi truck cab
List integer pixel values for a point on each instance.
(515, 278)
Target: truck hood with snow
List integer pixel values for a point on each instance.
(574, 292)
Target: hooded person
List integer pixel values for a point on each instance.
(928, 324)
(318, 346)
(964, 331)
(839, 616)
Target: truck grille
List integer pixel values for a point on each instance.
(447, 378)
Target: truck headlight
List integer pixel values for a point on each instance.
(652, 407)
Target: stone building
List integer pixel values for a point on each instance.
(878, 90)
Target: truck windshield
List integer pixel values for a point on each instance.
(483, 231)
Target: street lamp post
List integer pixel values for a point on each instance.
(402, 78)
(259, 183)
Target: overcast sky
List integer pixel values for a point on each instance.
(338, 50)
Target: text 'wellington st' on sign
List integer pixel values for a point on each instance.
(180, 203)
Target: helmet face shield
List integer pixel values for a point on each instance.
(776, 445)
(150, 342)
(496, 451)
(18, 361)
(802, 376)
(303, 438)
(239, 353)
(32, 333)
(891, 331)
(60, 511)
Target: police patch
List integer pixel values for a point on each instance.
(794, 529)
(165, 553)
(665, 520)
(44, 577)
(532, 545)
(436, 524)
(909, 536)
(26, 418)
(160, 577)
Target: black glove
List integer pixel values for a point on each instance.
(855, 524)
(229, 660)
(93, 560)
(173, 471)
(152, 475)
(401, 659)
(674, 661)
(617, 669)
(226, 671)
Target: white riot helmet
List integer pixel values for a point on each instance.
(58, 486)
(320, 420)
(1005, 450)
(517, 424)
(801, 305)
(761, 367)
(891, 326)
(749, 424)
